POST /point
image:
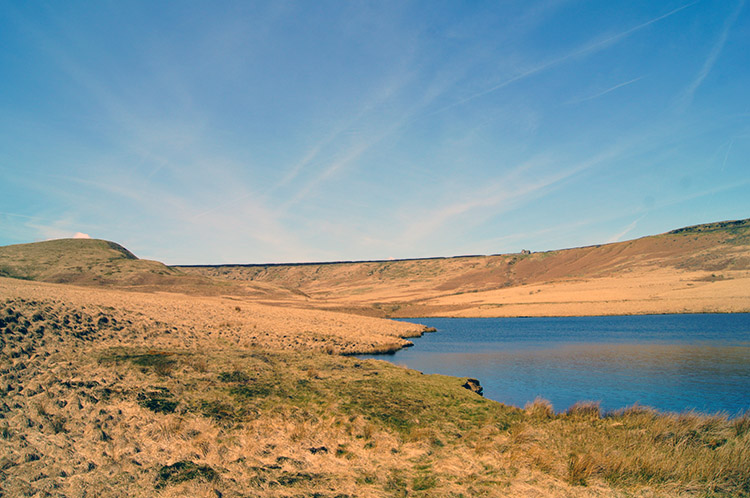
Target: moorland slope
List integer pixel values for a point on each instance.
(703, 268)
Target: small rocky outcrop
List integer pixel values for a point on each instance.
(473, 385)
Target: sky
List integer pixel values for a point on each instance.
(257, 132)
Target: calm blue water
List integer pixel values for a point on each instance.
(669, 362)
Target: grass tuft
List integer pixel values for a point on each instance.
(741, 424)
(540, 409)
(580, 469)
(235, 376)
(585, 409)
(184, 471)
(159, 405)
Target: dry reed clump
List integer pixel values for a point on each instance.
(585, 409)
(580, 469)
(637, 446)
(540, 409)
(741, 424)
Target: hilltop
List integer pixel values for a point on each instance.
(702, 268)
(79, 261)
(101, 263)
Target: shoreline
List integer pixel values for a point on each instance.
(576, 316)
(728, 413)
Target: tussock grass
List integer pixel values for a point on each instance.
(184, 471)
(640, 447)
(585, 409)
(540, 409)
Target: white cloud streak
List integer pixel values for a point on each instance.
(348, 158)
(726, 155)
(593, 47)
(618, 236)
(689, 93)
(605, 92)
(511, 190)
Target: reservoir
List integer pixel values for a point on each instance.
(670, 362)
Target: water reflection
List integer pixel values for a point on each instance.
(672, 364)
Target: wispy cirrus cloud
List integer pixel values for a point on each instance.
(689, 93)
(626, 230)
(604, 92)
(590, 48)
(348, 152)
(348, 157)
(512, 189)
(726, 154)
(15, 226)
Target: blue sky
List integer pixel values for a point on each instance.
(220, 132)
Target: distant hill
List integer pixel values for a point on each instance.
(78, 261)
(702, 268)
(420, 287)
(92, 262)
(710, 247)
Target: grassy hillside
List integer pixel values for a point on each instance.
(109, 393)
(92, 262)
(725, 242)
(78, 261)
(679, 261)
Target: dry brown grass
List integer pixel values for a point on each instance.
(110, 393)
(153, 317)
(540, 409)
(692, 271)
(585, 409)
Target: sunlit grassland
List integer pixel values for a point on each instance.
(85, 412)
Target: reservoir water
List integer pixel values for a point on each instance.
(670, 362)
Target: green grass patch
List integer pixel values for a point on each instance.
(161, 362)
(159, 405)
(184, 471)
(253, 390)
(219, 411)
(235, 376)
